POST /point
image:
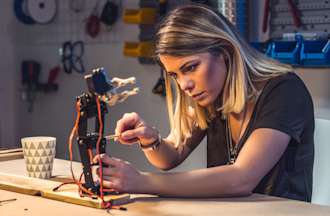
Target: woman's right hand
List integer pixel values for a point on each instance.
(131, 129)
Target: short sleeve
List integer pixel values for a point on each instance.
(194, 140)
(283, 106)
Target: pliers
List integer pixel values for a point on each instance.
(293, 10)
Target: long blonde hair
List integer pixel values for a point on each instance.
(192, 29)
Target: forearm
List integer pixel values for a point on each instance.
(212, 182)
(165, 156)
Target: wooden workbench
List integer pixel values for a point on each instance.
(150, 205)
(13, 178)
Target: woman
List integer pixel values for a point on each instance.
(257, 116)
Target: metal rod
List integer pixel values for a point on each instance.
(8, 200)
(109, 137)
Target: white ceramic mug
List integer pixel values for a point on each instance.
(39, 153)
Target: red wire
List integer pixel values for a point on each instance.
(72, 134)
(98, 146)
(81, 188)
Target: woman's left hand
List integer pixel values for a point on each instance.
(120, 175)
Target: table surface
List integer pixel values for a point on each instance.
(150, 205)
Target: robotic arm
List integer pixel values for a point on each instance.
(93, 104)
(99, 84)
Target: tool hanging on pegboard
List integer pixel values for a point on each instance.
(93, 24)
(110, 13)
(77, 6)
(31, 72)
(108, 16)
(35, 11)
(30, 81)
(72, 54)
(42, 11)
(294, 12)
(298, 32)
(21, 13)
(299, 16)
(159, 87)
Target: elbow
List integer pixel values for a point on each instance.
(165, 166)
(242, 187)
(243, 190)
(244, 182)
(168, 165)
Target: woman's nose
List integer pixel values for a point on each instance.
(186, 84)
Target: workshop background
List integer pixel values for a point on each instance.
(122, 48)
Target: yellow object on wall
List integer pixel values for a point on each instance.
(139, 49)
(140, 16)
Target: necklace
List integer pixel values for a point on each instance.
(233, 150)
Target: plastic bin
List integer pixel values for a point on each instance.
(263, 47)
(315, 53)
(286, 51)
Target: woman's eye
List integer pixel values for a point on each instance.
(190, 68)
(173, 75)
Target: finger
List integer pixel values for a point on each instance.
(106, 178)
(107, 172)
(107, 160)
(131, 134)
(120, 125)
(128, 141)
(113, 183)
(128, 121)
(108, 184)
(142, 132)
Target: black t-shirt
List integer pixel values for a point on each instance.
(285, 105)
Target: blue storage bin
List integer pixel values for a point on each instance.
(315, 53)
(286, 51)
(263, 47)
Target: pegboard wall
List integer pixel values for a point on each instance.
(236, 11)
(314, 16)
(70, 25)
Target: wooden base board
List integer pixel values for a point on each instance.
(11, 154)
(44, 188)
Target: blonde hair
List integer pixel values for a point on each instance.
(192, 29)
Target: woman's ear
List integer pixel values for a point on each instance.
(224, 58)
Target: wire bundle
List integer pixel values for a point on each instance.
(81, 188)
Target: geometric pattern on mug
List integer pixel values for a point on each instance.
(39, 158)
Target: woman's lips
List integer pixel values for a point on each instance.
(199, 96)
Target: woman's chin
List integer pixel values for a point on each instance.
(207, 101)
(204, 102)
